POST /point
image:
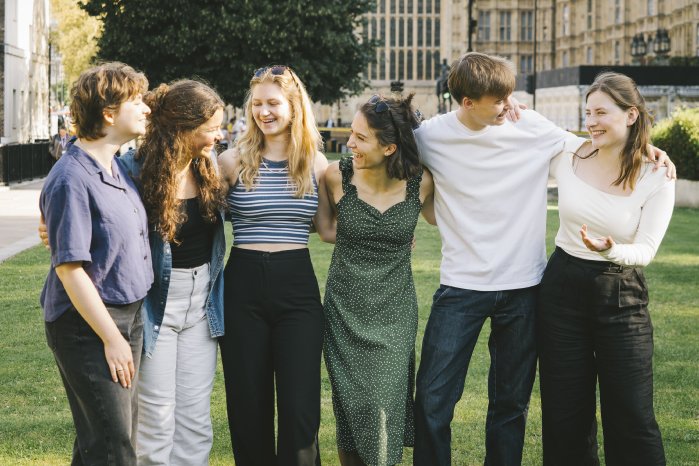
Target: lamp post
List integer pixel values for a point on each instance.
(661, 46)
(639, 48)
(472, 23)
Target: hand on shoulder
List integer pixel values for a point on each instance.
(229, 164)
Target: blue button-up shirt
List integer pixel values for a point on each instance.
(97, 219)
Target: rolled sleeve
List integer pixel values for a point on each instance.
(66, 210)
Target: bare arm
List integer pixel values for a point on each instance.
(427, 197)
(84, 296)
(324, 220)
(229, 166)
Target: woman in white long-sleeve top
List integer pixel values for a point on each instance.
(593, 319)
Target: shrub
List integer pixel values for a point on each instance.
(679, 137)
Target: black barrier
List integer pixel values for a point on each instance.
(24, 162)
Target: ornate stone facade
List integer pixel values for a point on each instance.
(418, 34)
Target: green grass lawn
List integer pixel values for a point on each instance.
(35, 423)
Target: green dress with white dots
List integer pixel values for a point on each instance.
(371, 324)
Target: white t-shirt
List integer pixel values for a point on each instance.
(490, 197)
(637, 222)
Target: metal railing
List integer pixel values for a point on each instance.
(24, 162)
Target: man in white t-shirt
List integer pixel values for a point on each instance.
(490, 180)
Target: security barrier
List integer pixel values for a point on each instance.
(24, 162)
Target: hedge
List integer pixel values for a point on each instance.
(679, 137)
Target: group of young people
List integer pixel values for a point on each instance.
(145, 231)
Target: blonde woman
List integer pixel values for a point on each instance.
(273, 313)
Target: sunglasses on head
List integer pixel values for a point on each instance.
(381, 106)
(276, 70)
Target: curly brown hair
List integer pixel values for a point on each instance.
(178, 109)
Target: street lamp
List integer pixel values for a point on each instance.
(661, 46)
(639, 48)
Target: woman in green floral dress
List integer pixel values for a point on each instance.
(370, 302)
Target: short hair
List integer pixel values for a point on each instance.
(476, 75)
(395, 125)
(102, 87)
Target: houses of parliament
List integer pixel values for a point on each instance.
(417, 36)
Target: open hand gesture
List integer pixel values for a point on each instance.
(595, 244)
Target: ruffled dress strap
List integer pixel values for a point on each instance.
(347, 170)
(413, 186)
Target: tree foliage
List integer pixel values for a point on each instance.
(76, 36)
(224, 41)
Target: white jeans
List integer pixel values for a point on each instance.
(174, 390)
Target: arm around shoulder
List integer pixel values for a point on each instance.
(324, 220)
(427, 197)
(229, 166)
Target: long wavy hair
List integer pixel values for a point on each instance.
(178, 109)
(623, 91)
(395, 125)
(304, 138)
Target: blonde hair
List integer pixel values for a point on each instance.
(304, 138)
(476, 75)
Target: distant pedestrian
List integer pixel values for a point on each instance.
(100, 265)
(59, 143)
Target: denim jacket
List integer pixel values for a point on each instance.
(154, 303)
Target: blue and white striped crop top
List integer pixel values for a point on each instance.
(269, 212)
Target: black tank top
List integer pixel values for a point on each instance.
(196, 237)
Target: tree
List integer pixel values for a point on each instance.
(76, 36)
(225, 41)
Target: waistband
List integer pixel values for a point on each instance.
(253, 255)
(597, 265)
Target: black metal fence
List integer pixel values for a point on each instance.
(24, 162)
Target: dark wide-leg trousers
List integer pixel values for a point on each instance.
(594, 326)
(274, 337)
(105, 414)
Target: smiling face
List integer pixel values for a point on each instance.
(366, 150)
(606, 122)
(129, 121)
(207, 135)
(486, 111)
(270, 109)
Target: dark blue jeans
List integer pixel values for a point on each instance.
(594, 326)
(452, 331)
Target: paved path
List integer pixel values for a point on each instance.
(19, 216)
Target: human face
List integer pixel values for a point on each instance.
(366, 150)
(486, 111)
(207, 135)
(270, 109)
(129, 121)
(607, 123)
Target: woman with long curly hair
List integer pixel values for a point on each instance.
(184, 197)
(274, 317)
